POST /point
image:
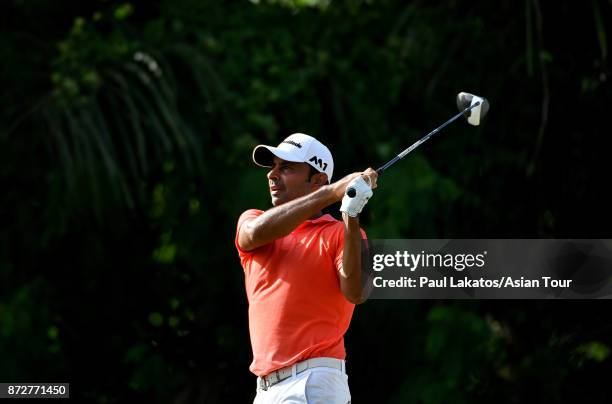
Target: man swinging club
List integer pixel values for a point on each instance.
(302, 273)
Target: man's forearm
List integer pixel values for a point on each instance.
(281, 220)
(350, 275)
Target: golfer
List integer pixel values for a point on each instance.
(302, 273)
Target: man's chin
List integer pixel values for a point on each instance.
(282, 197)
(277, 201)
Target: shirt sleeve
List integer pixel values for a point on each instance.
(245, 216)
(339, 245)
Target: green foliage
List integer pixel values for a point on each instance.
(423, 190)
(113, 112)
(29, 333)
(459, 344)
(594, 350)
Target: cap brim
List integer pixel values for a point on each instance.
(263, 155)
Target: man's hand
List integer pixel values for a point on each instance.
(371, 175)
(357, 195)
(358, 191)
(339, 187)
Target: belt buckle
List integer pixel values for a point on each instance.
(266, 383)
(266, 380)
(263, 384)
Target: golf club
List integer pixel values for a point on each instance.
(473, 107)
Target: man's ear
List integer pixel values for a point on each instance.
(319, 179)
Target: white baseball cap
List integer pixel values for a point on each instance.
(299, 148)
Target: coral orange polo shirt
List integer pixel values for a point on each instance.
(296, 308)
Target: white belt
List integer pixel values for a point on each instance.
(281, 374)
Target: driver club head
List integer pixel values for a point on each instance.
(477, 114)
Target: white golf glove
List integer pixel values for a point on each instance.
(356, 196)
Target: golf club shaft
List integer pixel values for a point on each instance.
(424, 139)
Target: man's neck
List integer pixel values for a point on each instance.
(316, 216)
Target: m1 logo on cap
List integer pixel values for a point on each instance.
(318, 162)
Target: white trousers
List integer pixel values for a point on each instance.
(318, 385)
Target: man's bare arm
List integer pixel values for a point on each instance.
(281, 220)
(350, 274)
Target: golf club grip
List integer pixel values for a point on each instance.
(388, 164)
